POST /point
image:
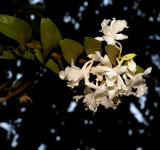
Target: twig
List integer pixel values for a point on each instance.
(10, 95)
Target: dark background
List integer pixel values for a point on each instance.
(47, 122)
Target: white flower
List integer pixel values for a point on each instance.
(93, 99)
(103, 60)
(109, 85)
(110, 31)
(74, 74)
(137, 82)
(111, 76)
(104, 64)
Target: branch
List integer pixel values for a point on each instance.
(10, 95)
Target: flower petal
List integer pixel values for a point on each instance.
(132, 65)
(106, 61)
(62, 75)
(141, 90)
(121, 37)
(147, 71)
(120, 70)
(105, 23)
(118, 26)
(110, 39)
(99, 38)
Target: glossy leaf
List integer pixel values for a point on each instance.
(50, 36)
(53, 66)
(71, 50)
(15, 28)
(91, 45)
(39, 55)
(112, 53)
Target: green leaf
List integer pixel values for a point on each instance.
(128, 56)
(112, 53)
(15, 28)
(7, 55)
(71, 50)
(50, 36)
(139, 69)
(39, 55)
(29, 55)
(53, 66)
(91, 45)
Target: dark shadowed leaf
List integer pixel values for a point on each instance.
(39, 55)
(53, 66)
(15, 28)
(91, 45)
(112, 53)
(7, 55)
(29, 55)
(1, 48)
(34, 9)
(71, 50)
(50, 36)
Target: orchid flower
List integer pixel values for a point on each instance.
(110, 31)
(93, 99)
(74, 74)
(137, 82)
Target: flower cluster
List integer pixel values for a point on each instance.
(105, 83)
